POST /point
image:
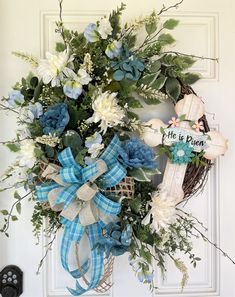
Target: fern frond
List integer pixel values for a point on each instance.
(27, 57)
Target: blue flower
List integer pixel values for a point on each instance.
(143, 269)
(93, 139)
(36, 109)
(72, 89)
(136, 154)
(115, 240)
(91, 33)
(145, 276)
(129, 67)
(55, 119)
(114, 49)
(15, 98)
(182, 153)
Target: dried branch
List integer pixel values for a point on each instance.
(164, 8)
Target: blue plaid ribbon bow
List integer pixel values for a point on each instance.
(84, 210)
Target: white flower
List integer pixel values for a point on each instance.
(107, 111)
(27, 156)
(162, 211)
(104, 28)
(83, 77)
(95, 149)
(54, 68)
(26, 115)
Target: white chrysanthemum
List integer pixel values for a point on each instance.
(27, 156)
(54, 68)
(104, 28)
(162, 211)
(107, 111)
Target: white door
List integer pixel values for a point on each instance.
(206, 28)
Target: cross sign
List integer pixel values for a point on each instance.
(212, 143)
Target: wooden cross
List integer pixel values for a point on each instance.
(192, 108)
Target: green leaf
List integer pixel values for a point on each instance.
(155, 66)
(146, 256)
(149, 78)
(13, 147)
(139, 175)
(74, 116)
(173, 88)
(38, 153)
(34, 82)
(170, 24)
(134, 103)
(191, 78)
(152, 101)
(162, 130)
(14, 218)
(18, 207)
(16, 195)
(182, 117)
(135, 205)
(60, 47)
(151, 27)
(4, 212)
(159, 83)
(132, 115)
(166, 39)
(80, 156)
(151, 172)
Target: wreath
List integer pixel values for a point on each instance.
(87, 161)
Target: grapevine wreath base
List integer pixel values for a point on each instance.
(87, 162)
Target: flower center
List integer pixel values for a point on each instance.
(180, 153)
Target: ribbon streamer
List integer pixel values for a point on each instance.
(83, 208)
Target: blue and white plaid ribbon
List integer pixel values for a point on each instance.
(72, 177)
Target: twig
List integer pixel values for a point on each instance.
(209, 241)
(6, 226)
(164, 9)
(214, 244)
(48, 248)
(192, 56)
(4, 107)
(191, 216)
(61, 21)
(15, 140)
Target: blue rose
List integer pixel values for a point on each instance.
(72, 89)
(136, 154)
(115, 240)
(55, 119)
(15, 98)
